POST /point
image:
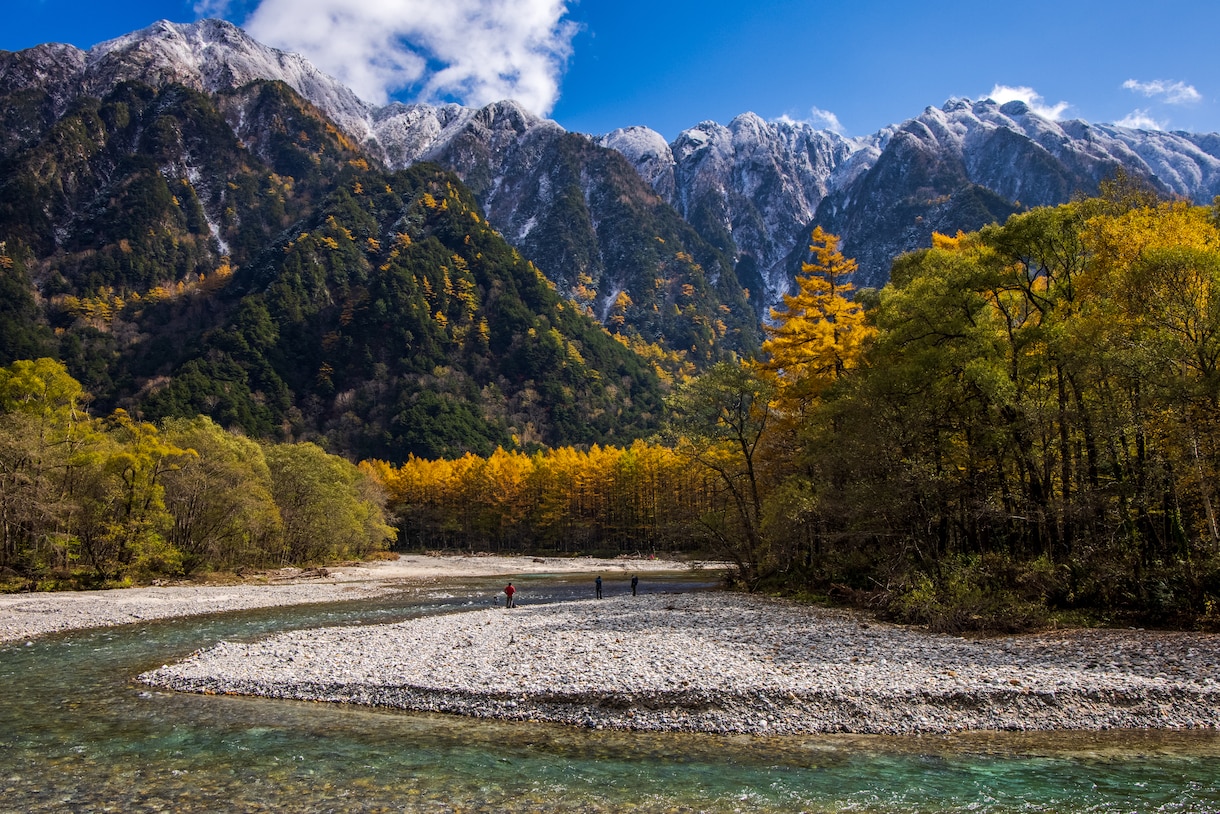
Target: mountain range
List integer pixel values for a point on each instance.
(164, 156)
(751, 188)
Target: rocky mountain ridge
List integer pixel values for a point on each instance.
(752, 186)
(751, 189)
(579, 211)
(954, 167)
(968, 163)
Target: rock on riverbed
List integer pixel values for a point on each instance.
(725, 663)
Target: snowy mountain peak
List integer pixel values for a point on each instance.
(755, 180)
(745, 125)
(648, 151)
(509, 114)
(215, 55)
(638, 142)
(1015, 108)
(405, 134)
(40, 66)
(956, 103)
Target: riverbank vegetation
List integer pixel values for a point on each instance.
(89, 502)
(1025, 420)
(1023, 423)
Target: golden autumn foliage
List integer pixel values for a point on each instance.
(1033, 424)
(820, 332)
(108, 304)
(635, 499)
(670, 366)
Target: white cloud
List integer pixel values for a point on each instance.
(1174, 93)
(826, 120)
(1002, 94)
(472, 51)
(1141, 120)
(819, 119)
(212, 8)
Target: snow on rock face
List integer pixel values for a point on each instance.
(760, 181)
(1180, 163)
(649, 153)
(214, 55)
(995, 159)
(53, 69)
(418, 132)
(408, 133)
(1188, 164)
(40, 66)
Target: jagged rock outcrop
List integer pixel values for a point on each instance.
(750, 188)
(209, 56)
(582, 213)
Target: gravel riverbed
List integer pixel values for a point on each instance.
(726, 663)
(25, 616)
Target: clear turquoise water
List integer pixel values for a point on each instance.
(77, 734)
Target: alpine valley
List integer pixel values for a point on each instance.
(197, 223)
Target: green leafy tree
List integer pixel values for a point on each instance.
(224, 514)
(720, 421)
(43, 430)
(128, 501)
(329, 508)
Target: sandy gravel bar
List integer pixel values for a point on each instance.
(25, 616)
(726, 663)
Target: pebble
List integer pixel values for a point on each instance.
(725, 663)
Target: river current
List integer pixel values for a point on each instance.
(78, 734)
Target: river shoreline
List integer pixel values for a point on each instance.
(711, 662)
(726, 663)
(29, 615)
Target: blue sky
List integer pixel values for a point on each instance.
(594, 65)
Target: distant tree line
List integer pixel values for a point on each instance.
(95, 501)
(606, 500)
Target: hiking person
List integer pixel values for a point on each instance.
(509, 590)
(598, 583)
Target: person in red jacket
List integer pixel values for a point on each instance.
(509, 590)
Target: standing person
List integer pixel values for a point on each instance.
(509, 590)
(635, 581)
(598, 583)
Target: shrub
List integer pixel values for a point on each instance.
(984, 593)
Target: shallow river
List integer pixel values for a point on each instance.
(77, 734)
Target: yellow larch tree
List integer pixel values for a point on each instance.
(819, 333)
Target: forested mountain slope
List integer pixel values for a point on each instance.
(235, 254)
